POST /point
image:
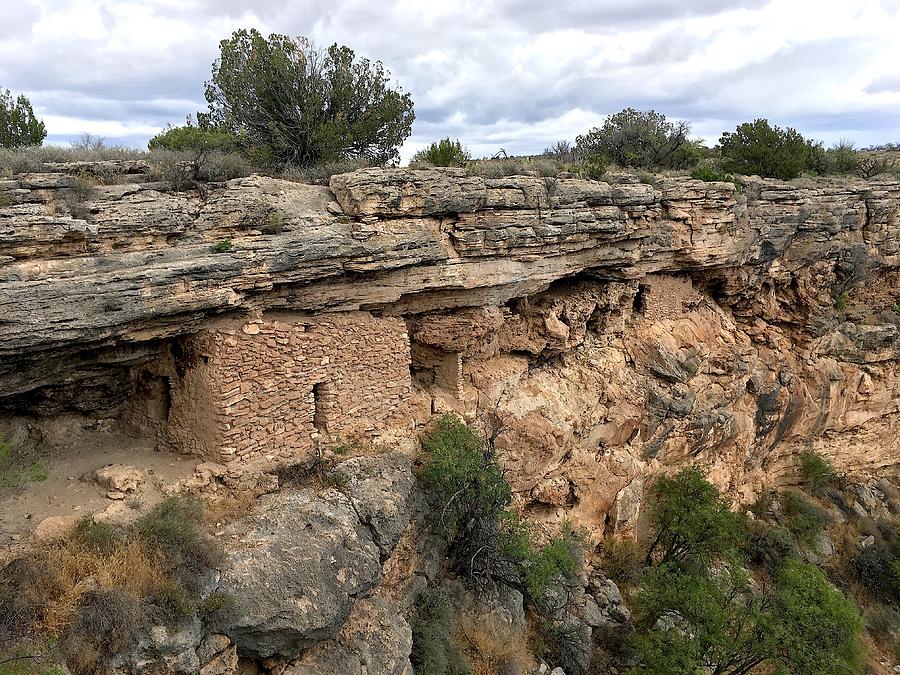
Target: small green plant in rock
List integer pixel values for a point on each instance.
(433, 651)
(216, 609)
(274, 223)
(818, 472)
(172, 606)
(805, 520)
(222, 246)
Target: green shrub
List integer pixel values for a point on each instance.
(432, 623)
(640, 139)
(192, 138)
(173, 527)
(709, 175)
(688, 618)
(691, 520)
(216, 610)
(469, 498)
(770, 546)
(99, 536)
(763, 149)
(878, 570)
(817, 471)
(172, 606)
(819, 628)
(445, 152)
(222, 246)
(805, 520)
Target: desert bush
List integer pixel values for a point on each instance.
(883, 621)
(561, 643)
(433, 650)
(101, 537)
(548, 167)
(321, 173)
(709, 175)
(171, 605)
(445, 152)
(817, 472)
(761, 148)
(804, 519)
(878, 570)
(592, 167)
(222, 246)
(561, 150)
(640, 139)
(106, 622)
(870, 166)
(621, 559)
(88, 142)
(216, 609)
(770, 546)
(691, 520)
(469, 498)
(174, 528)
(300, 105)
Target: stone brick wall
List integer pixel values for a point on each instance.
(269, 389)
(663, 296)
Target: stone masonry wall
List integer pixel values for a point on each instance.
(665, 297)
(274, 387)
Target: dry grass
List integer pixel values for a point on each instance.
(131, 567)
(493, 647)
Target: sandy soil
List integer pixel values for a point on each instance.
(66, 458)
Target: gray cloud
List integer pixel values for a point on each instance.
(512, 73)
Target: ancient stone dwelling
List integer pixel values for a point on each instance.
(266, 391)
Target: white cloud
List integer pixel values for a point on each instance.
(517, 74)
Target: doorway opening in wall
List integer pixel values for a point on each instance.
(320, 400)
(639, 302)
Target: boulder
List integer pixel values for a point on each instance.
(118, 479)
(294, 570)
(297, 564)
(55, 528)
(380, 489)
(375, 639)
(161, 649)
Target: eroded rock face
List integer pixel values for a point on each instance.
(615, 329)
(84, 296)
(297, 565)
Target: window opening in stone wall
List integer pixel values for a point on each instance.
(320, 395)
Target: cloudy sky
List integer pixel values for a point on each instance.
(516, 74)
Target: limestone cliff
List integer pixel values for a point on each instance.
(603, 330)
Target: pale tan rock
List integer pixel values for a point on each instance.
(120, 478)
(54, 528)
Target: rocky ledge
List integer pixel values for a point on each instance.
(91, 277)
